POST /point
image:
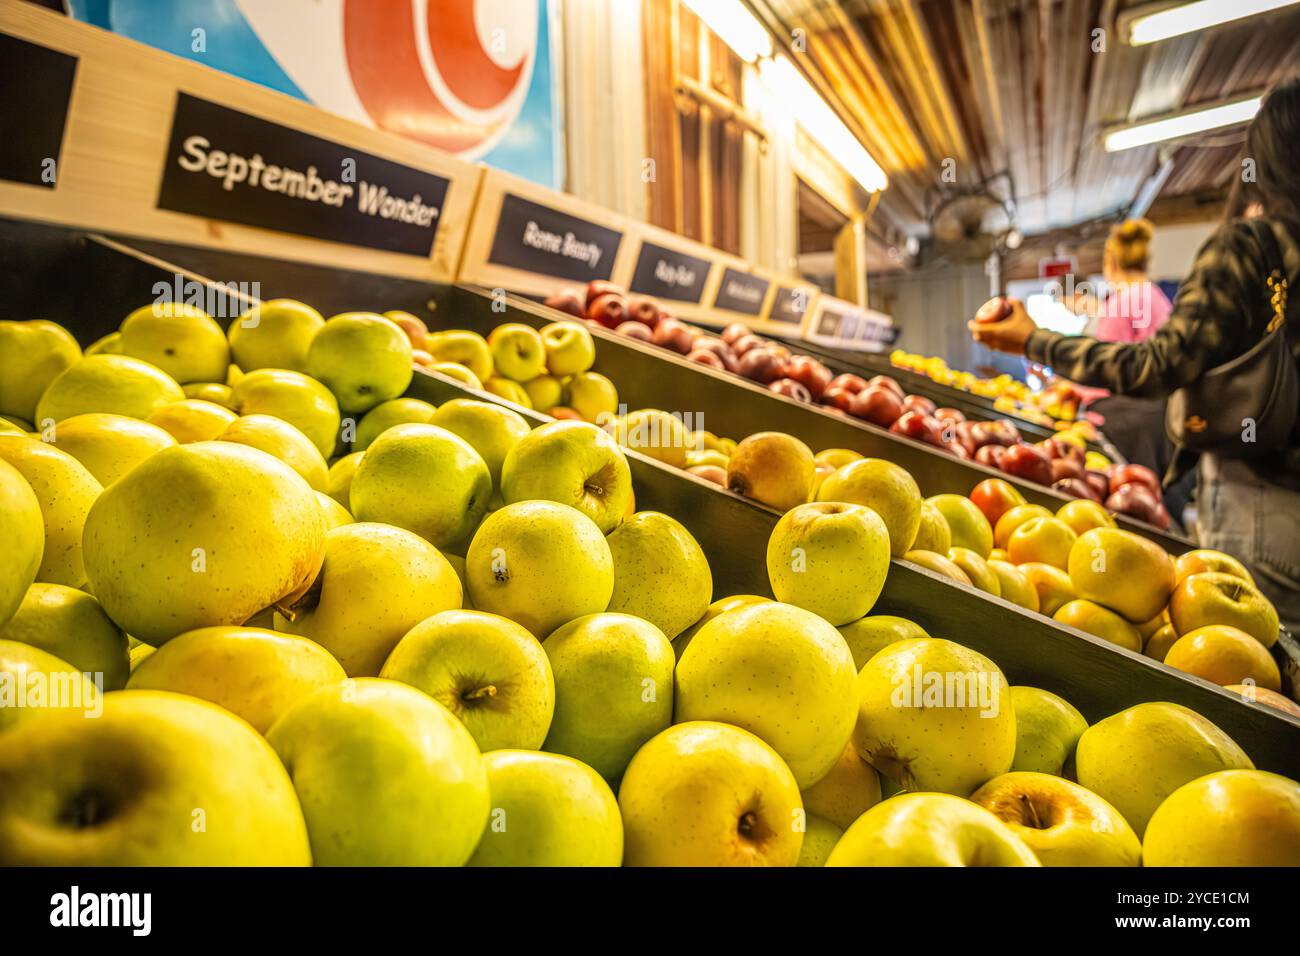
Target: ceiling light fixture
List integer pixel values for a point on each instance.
(1161, 24)
(732, 21)
(1186, 123)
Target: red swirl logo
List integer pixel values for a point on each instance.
(450, 73)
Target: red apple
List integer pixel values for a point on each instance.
(566, 301)
(838, 397)
(917, 425)
(760, 365)
(705, 357)
(674, 335)
(635, 330)
(918, 403)
(1135, 500)
(878, 405)
(809, 373)
(1121, 475)
(609, 310)
(949, 415)
(994, 310)
(955, 448)
(1063, 468)
(736, 330)
(991, 455)
(641, 309)
(854, 383)
(1161, 518)
(995, 497)
(746, 342)
(1028, 462)
(1075, 488)
(890, 384)
(1099, 482)
(791, 389)
(598, 287)
(712, 343)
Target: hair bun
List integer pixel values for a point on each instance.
(1136, 230)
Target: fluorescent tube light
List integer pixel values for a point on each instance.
(1190, 17)
(1183, 124)
(735, 26)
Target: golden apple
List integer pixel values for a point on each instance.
(1092, 618)
(1222, 654)
(930, 829)
(850, 789)
(1228, 818)
(1123, 571)
(1213, 597)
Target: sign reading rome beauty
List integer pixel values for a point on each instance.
(666, 274)
(545, 241)
(227, 165)
(741, 292)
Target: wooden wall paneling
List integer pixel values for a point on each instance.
(664, 195)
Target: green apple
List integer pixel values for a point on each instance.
(458, 373)
(660, 572)
(32, 355)
(192, 419)
(462, 348)
(110, 344)
(540, 564)
(709, 794)
(71, 625)
(969, 528)
(398, 411)
(593, 396)
(201, 535)
(573, 463)
(336, 516)
(850, 789)
(569, 348)
(487, 670)
(303, 402)
(274, 334)
(508, 389)
(930, 829)
(491, 429)
(544, 392)
(376, 584)
(117, 384)
(613, 689)
(720, 606)
(278, 438)
(1047, 729)
(108, 445)
(1227, 818)
(218, 393)
(871, 634)
(778, 671)
(338, 484)
(548, 810)
(35, 683)
(361, 357)
(933, 534)
(916, 697)
(178, 338)
(23, 531)
(425, 479)
(1014, 586)
(886, 489)
(518, 352)
(819, 838)
(829, 558)
(254, 673)
(1064, 824)
(159, 779)
(1170, 743)
(385, 776)
(65, 491)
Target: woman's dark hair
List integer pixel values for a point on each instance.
(1273, 148)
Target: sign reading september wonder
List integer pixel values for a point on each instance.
(227, 165)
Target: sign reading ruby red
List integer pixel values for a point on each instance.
(226, 165)
(535, 238)
(668, 274)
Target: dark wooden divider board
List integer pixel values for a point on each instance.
(1095, 676)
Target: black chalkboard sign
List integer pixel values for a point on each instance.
(35, 89)
(227, 165)
(666, 274)
(790, 305)
(539, 239)
(741, 292)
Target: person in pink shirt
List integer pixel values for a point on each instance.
(1136, 306)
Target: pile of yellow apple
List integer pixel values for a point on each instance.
(1058, 402)
(270, 612)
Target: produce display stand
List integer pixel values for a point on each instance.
(102, 279)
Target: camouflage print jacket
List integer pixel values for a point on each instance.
(1220, 313)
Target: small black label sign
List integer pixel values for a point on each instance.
(741, 292)
(537, 238)
(666, 274)
(789, 305)
(35, 87)
(855, 327)
(223, 164)
(829, 324)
